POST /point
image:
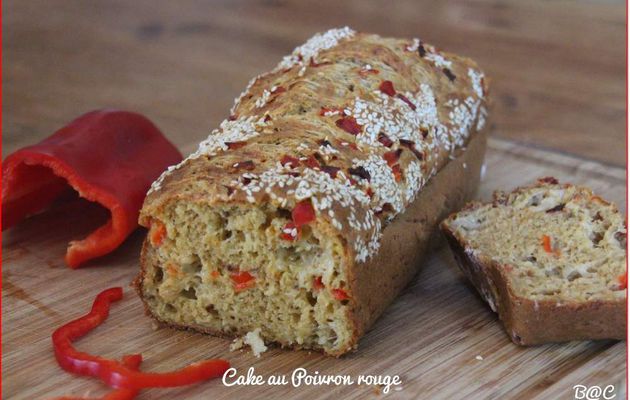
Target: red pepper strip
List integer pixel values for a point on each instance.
(112, 372)
(108, 157)
(132, 361)
(546, 243)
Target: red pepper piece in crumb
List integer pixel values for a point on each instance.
(278, 90)
(623, 281)
(242, 280)
(546, 243)
(290, 232)
(303, 213)
(340, 294)
(109, 157)
(392, 157)
(317, 283)
(387, 87)
(157, 233)
(112, 372)
(349, 124)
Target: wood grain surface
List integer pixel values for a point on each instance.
(431, 336)
(557, 67)
(557, 71)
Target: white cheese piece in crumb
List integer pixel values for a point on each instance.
(254, 341)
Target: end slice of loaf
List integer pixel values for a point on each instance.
(550, 259)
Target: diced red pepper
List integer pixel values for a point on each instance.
(109, 157)
(317, 283)
(392, 157)
(546, 243)
(340, 294)
(387, 87)
(397, 172)
(278, 90)
(290, 232)
(215, 274)
(349, 124)
(406, 100)
(112, 372)
(385, 140)
(157, 233)
(235, 145)
(243, 280)
(623, 281)
(303, 213)
(292, 162)
(311, 162)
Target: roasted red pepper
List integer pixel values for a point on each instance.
(112, 372)
(108, 157)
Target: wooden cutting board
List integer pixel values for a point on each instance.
(438, 336)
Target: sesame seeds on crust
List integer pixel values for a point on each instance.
(341, 166)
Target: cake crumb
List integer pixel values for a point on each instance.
(255, 342)
(237, 344)
(479, 358)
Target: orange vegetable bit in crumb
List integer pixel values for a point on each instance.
(243, 280)
(623, 281)
(172, 269)
(340, 294)
(215, 274)
(546, 243)
(157, 233)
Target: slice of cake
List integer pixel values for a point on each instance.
(550, 259)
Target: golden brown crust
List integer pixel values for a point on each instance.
(448, 113)
(405, 244)
(428, 105)
(528, 321)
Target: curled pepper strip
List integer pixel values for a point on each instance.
(112, 372)
(109, 157)
(131, 361)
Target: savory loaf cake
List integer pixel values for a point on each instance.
(308, 210)
(550, 259)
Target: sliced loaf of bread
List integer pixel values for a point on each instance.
(549, 258)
